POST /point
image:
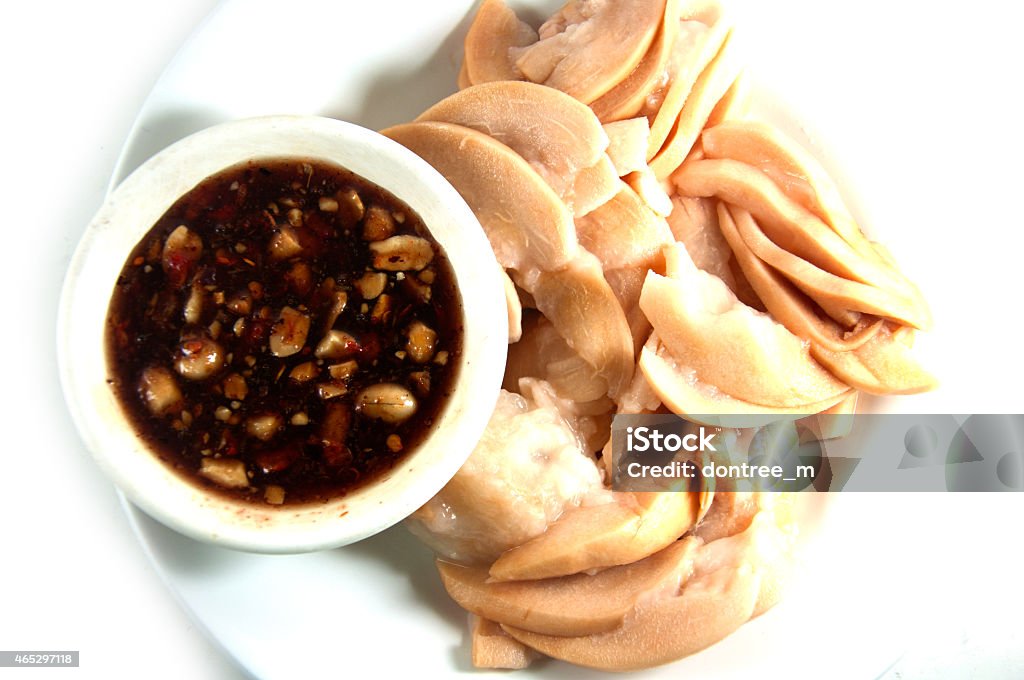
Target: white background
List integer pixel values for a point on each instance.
(942, 126)
(72, 575)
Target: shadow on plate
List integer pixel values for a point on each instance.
(158, 132)
(401, 92)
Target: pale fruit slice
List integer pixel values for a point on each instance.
(742, 352)
(694, 223)
(705, 94)
(706, 498)
(624, 232)
(543, 353)
(587, 48)
(592, 187)
(639, 397)
(827, 289)
(789, 306)
(591, 421)
(579, 604)
(627, 144)
(627, 283)
(733, 105)
(528, 464)
(515, 309)
(626, 99)
(557, 135)
(581, 305)
(787, 223)
(732, 579)
(882, 365)
(650, 190)
(463, 78)
(731, 513)
(495, 31)
(699, 39)
(717, 599)
(631, 528)
(525, 221)
(679, 389)
(832, 423)
(792, 168)
(492, 647)
(770, 547)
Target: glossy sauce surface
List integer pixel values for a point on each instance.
(286, 332)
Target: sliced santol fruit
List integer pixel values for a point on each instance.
(525, 221)
(715, 600)
(581, 305)
(882, 365)
(627, 283)
(638, 398)
(705, 498)
(529, 464)
(650, 190)
(767, 540)
(792, 168)
(731, 513)
(733, 105)
(627, 144)
(709, 88)
(679, 389)
(789, 306)
(831, 292)
(694, 223)
(698, 41)
(832, 423)
(742, 352)
(627, 98)
(732, 579)
(592, 187)
(495, 31)
(492, 647)
(557, 135)
(591, 421)
(624, 232)
(462, 81)
(632, 527)
(789, 225)
(589, 46)
(579, 604)
(543, 353)
(515, 309)
(801, 177)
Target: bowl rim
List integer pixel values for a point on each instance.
(131, 209)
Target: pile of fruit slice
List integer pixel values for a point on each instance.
(663, 251)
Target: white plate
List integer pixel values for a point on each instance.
(378, 606)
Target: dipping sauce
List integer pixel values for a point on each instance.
(285, 333)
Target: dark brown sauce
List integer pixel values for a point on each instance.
(217, 332)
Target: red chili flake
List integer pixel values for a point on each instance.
(178, 267)
(317, 223)
(258, 330)
(224, 213)
(369, 348)
(228, 443)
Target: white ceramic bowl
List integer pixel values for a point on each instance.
(141, 200)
